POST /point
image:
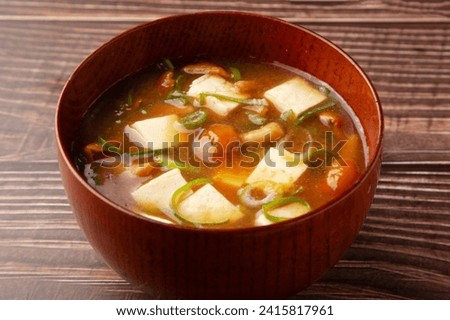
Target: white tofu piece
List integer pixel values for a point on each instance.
(280, 166)
(207, 206)
(155, 133)
(210, 83)
(157, 193)
(296, 94)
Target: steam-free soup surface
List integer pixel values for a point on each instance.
(209, 143)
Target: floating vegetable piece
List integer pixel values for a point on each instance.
(285, 208)
(230, 178)
(206, 68)
(270, 132)
(169, 64)
(93, 151)
(130, 98)
(257, 119)
(194, 120)
(287, 115)
(235, 73)
(258, 193)
(166, 83)
(141, 169)
(324, 90)
(246, 86)
(258, 108)
(107, 146)
(215, 142)
(313, 159)
(340, 178)
(170, 163)
(330, 119)
(309, 113)
(254, 101)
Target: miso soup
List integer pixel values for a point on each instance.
(220, 144)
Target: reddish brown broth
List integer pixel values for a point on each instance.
(142, 96)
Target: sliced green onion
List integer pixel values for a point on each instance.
(107, 145)
(202, 98)
(287, 115)
(235, 73)
(130, 99)
(256, 118)
(174, 164)
(169, 64)
(271, 212)
(268, 188)
(97, 180)
(175, 94)
(309, 156)
(182, 193)
(177, 82)
(101, 141)
(254, 101)
(194, 119)
(324, 90)
(308, 113)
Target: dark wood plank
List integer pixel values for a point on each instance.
(403, 250)
(361, 11)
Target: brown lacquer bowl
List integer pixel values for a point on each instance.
(170, 261)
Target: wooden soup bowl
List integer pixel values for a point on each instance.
(171, 261)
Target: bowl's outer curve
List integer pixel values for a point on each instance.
(178, 262)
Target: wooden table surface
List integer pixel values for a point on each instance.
(403, 249)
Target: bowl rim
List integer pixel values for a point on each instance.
(186, 228)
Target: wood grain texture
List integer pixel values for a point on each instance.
(361, 11)
(403, 249)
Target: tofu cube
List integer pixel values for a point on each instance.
(296, 94)
(157, 193)
(207, 206)
(210, 83)
(155, 133)
(280, 166)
